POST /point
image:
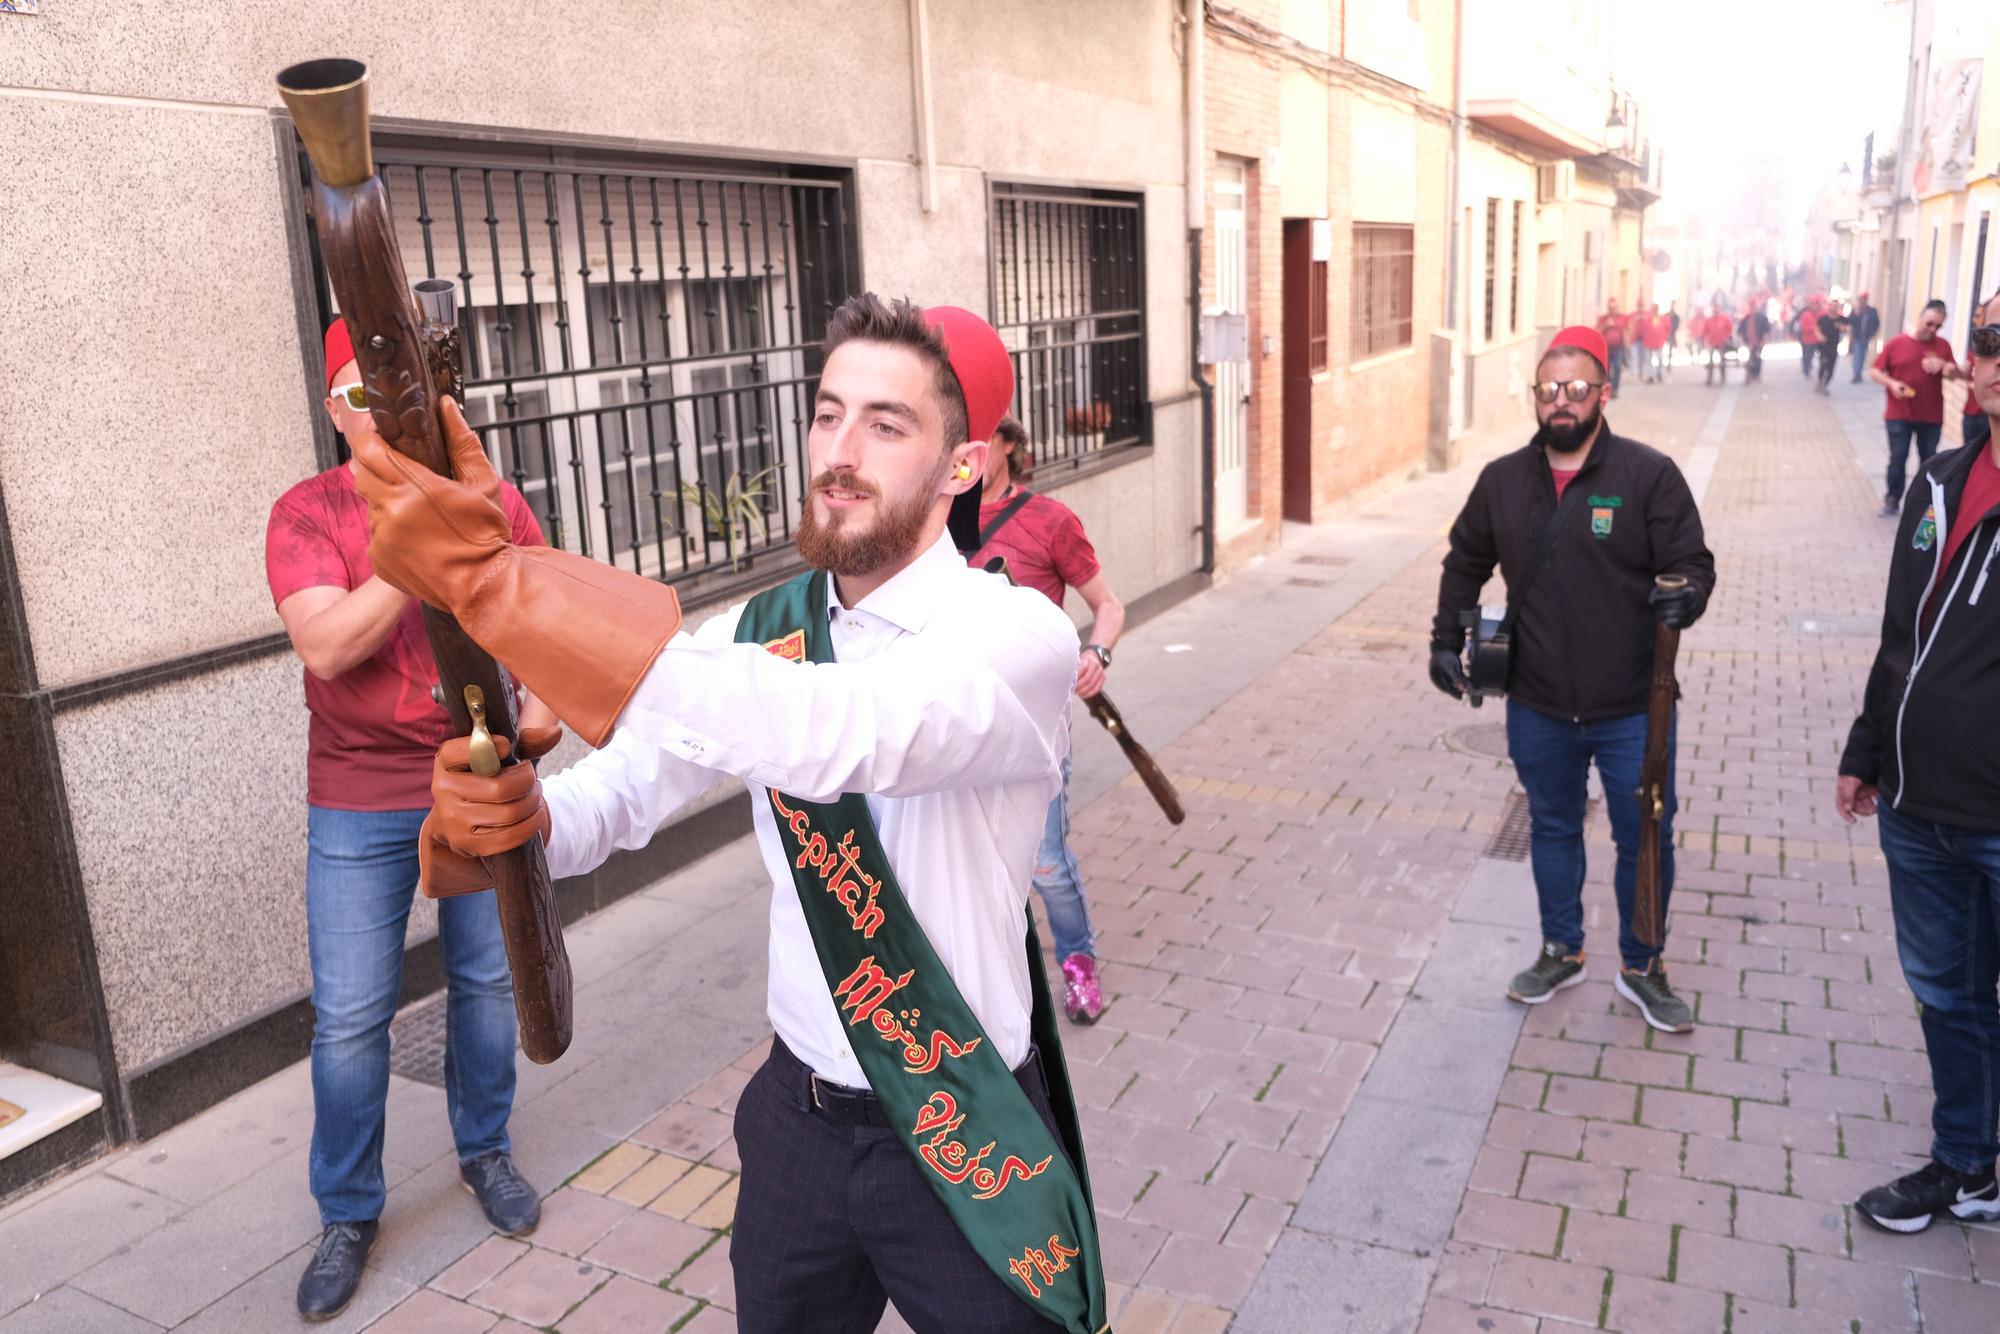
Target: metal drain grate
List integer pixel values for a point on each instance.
(1510, 842)
(1296, 582)
(1332, 562)
(1844, 627)
(416, 1044)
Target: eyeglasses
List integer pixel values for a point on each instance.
(356, 395)
(1985, 341)
(1574, 390)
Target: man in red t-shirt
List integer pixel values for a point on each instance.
(1809, 335)
(1716, 329)
(1654, 332)
(1046, 550)
(1612, 326)
(373, 732)
(1913, 367)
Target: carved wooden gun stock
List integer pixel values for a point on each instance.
(1649, 918)
(1143, 763)
(406, 362)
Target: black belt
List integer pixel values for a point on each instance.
(845, 1106)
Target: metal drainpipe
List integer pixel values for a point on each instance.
(1196, 189)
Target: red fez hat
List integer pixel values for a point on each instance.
(339, 349)
(985, 375)
(1584, 339)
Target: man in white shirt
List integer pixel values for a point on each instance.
(903, 741)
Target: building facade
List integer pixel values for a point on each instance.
(645, 232)
(1328, 141)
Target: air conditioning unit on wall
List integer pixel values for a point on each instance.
(1555, 182)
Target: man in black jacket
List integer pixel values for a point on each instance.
(1583, 647)
(1918, 759)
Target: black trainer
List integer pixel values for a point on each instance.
(1908, 1204)
(335, 1270)
(511, 1205)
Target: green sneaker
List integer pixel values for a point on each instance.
(1553, 970)
(1655, 999)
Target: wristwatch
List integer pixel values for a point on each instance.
(1103, 653)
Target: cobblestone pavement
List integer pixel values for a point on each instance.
(1268, 963)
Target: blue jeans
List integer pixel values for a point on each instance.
(1060, 882)
(1944, 887)
(361, 873)
(1553, 757)
(1616, 370)
(1925, 434)
(1860, 350)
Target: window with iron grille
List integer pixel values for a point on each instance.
(1492, 260)
(641, 336)
(1068, 293)
(1514, 275)
(1316, 318)
(1383, 294)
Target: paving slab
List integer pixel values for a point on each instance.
(1319, 1284)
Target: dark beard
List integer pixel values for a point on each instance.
(1567, 439)
(899, 525)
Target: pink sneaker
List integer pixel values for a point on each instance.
(1082, 1001)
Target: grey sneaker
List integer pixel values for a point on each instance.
(1655, 999)
(1552, 970)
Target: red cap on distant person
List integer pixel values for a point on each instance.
(339, 350)
(1584, 339)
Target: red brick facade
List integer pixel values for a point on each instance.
(1369, 420)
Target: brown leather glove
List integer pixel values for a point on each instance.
(473, 817)
(577, 632)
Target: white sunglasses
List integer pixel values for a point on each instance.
(356, 395)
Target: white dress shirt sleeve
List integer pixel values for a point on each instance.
(979, 698)
(619, 795)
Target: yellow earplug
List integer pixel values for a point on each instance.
(965, 472)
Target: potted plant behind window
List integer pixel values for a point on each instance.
(1089, 420)
(727, 514)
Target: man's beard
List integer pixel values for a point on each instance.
(833, 545)
(1568, 437)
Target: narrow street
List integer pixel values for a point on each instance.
(1309, 1106)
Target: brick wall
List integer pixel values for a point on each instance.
(1370, 420)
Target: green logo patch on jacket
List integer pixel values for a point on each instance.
(1608, 502)
(1600, 521)
(1926, 535)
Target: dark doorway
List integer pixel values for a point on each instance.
(1305, 354)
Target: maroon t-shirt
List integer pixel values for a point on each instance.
(1043, 543)
(374, 727)
(1902, 358)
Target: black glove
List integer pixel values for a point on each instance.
(1677, 608)
(1447, 670)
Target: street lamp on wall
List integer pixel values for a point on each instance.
(1845, 178)
(1615, 133)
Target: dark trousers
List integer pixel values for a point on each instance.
(1616, 370)
(834, 1220)
(1718, 364)
(1944, 888)
(1978, 428)
(1901, 435)
(1808, 354)
(1552, 756)
(1829, 357)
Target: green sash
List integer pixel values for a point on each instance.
(977, 1139)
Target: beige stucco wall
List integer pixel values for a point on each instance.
(184, 223)
(153, 393)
